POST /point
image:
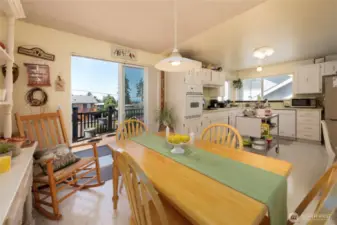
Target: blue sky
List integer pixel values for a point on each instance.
(100, 77)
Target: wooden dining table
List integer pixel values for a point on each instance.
(201, 199)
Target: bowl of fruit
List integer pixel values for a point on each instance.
(178, 141)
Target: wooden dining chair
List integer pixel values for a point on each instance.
(146, 206)
(223, 134)
(127, 129)
(49, 130)
(328, 145)
(321, 190)
(130, 128)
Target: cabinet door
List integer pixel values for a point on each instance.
(329, 68)
(309, 79)
(189, 77)
(215, 77)
(206, 75)
(197, 77)
(287, 120)
(287, 125)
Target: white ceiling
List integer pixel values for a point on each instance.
(218, 31)
(141, 24)
(296, 29)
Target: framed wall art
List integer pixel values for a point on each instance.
(124, 53)
(38, 75)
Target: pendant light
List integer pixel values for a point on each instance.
(175, 62)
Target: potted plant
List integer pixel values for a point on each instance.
(165, 117)
(6, 149)
(237, 84)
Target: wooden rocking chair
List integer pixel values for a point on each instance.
(49, 130)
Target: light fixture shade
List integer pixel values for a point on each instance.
(263, 52)
(185, 63)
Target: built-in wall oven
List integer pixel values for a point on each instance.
(194, 105)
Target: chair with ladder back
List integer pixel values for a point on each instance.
(49, 130)
(223, 134)
(127, 129)
(147, 207)
(321, 189)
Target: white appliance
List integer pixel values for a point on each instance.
(304, 102)
(194, 105)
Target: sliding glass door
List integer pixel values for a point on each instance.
(131, 92)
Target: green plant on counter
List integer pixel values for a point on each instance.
(237, 84)
(5, 148)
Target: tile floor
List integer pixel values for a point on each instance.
(94, 207)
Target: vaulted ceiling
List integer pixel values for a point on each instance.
(141, 24)
(218, 31)
(296, 29)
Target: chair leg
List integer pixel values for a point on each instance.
(55, 215)
(121, 186)
(53, 191)
(98, 171)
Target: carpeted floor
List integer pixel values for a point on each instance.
(103, 152)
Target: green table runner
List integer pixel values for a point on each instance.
(263, 186)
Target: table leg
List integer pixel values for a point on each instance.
(115, 174)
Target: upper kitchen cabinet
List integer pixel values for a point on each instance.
(329, 68)
(309, 79)
(206, 75)
(218, 78)
(193, 77)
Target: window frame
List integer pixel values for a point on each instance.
(262, 87)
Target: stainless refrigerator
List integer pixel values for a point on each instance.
(330, 107)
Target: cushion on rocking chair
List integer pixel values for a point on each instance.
(61, 155)
(67, 171)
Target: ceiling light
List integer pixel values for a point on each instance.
(259, 69)
(175, 62)
(263, 52)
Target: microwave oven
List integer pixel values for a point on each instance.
(304, 102)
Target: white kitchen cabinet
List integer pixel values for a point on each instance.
(287, 123)
(232, 116)
(192, 125)
(329, 68)
(308, 79)
(218, 78)
(206, 75)
(308, 124)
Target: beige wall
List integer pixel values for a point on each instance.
(63, 45)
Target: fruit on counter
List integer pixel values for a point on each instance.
(185, 138)
(178, 139)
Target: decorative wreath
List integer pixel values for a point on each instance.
(15, 71)
(32, 101)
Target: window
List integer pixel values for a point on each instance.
(271, 88)
(226, 94)
(251, 89)
(278, 87)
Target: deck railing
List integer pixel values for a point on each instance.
(88, 124)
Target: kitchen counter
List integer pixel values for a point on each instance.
(205, 111)
(294, 108)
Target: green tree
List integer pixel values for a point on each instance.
(89, 94)
(109, 101)
(127, 91)
(140, 89)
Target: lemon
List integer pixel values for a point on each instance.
(185, 138)
(176, 139)
(170, 138)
